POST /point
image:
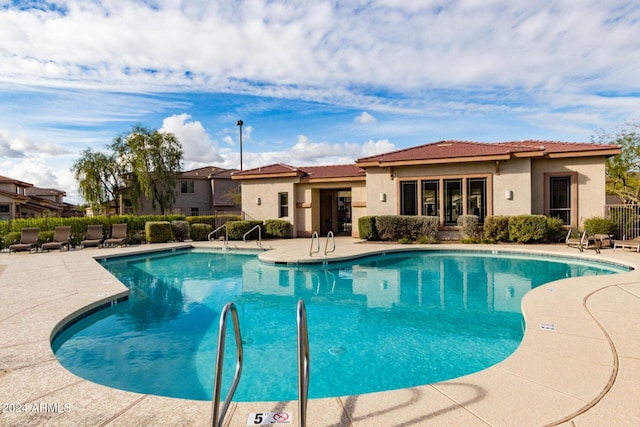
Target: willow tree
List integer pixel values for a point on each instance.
(99, 177)
(151, 161)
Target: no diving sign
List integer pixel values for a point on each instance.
(269, 418)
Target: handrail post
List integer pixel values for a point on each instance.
(259, 241)
(326, 245)
(303, 364)
(217, 414)
(226, 234)
(314, 237)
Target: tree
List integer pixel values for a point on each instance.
(623, 170)
(151, 160)
(142, 163)
(99, 178)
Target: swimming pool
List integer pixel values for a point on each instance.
(378, 323)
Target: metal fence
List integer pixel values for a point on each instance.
(627, 219)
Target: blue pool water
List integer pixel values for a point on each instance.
(378, 323)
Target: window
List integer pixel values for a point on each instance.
(452, 201)
(195, 211)
(4, 212)
(560, 198)
(284, 204)
(186, 187)
(430, 198)
(408, 198)
(477, 198)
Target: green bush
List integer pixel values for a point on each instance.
(45, 236)
(158, 231)
(367, 228)
(527, 228)
(554, 230)
(200, 232)
(469, 225)
(180, 230)
(496, 228)
(600, 225)
(237, 229)
(277, 228)
(11, 238)
(213, 220)
(394, 227)
(424, 240)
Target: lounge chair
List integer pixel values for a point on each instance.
(582, 241)
(60, 239)
(118, 235)
(28, 241)
(624, 243)
(94, 236)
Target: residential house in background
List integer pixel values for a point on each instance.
(201, 191)
(19, 199)
(444, 179)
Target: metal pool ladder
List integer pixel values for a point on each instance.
(259, 241)
(303, 364)
(326, 245)
(226, 234)
(316, 239)
(217, 415)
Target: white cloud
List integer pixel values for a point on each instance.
(365, 117)
(197, 146)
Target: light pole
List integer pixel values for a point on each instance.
(240, 123)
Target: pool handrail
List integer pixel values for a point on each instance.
(259, 241)
(217, 414)
(326, 245)
(303, 364)
(226, 234)
(314, 238)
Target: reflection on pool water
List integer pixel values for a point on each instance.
(378, 323)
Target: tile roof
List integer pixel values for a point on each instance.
(206, 172)
(478, 151)
(304, 172)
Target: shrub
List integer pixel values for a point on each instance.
(527, 228)
(600, 225)
(424, 240)
(367, 228)
(393, 227)
(496, 228)
(180, 230)
(277, 228)
(158, 231)
(237, 229)
(429, 227)
(45, 236)
(199, 232)
(213, 220)
(554, 231)
(11, 238)
(405, 241)
(469, 226)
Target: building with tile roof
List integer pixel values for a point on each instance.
(446, 179)
(19, 199)
(201, 191)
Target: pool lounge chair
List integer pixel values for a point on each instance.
(584, 240)
(631, 244)
(118, 235)
(28, 241)
(60, 239)
(94, 236)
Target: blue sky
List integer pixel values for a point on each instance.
(315, 82)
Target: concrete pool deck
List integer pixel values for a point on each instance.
(578, 364)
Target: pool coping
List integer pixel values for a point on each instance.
(578, 363)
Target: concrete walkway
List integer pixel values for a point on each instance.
(585, 372)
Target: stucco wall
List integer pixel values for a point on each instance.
(591, 184)
(379, 182)
(267, 191)
(515, 177)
